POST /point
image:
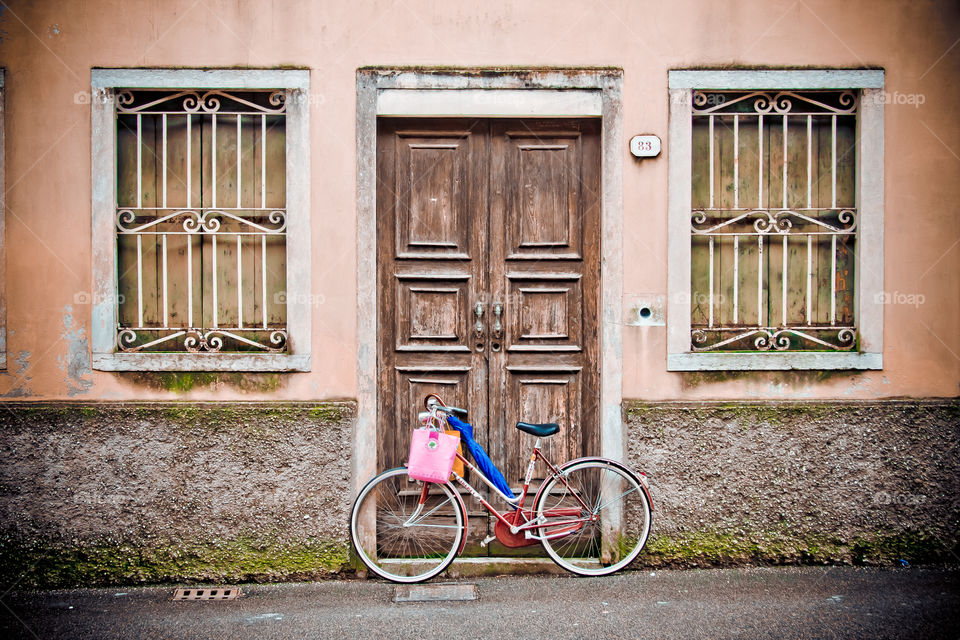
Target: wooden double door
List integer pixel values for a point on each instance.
(488, 274)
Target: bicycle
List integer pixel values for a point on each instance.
(592, 515)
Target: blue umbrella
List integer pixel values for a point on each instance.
(484, 463)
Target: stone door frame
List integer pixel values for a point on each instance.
(576, 92)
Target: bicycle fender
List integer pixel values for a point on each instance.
(466, 520)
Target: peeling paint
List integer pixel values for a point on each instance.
(76, 363)
(21, 390)
(23, 361)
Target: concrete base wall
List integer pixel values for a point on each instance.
(107, 493)
(124, 493)
(860, 482)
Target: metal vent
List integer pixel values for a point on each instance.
(207, 593)
(437, 592)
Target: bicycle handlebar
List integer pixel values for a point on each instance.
(435, 403)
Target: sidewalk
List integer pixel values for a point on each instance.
(791, 602)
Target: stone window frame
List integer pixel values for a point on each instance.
(3, 233)
(869, 183)
(103, 83)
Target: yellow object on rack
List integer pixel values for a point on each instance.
(458, 467)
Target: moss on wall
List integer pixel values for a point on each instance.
(181, 382)
(791, 379)
(47, 565)
(250, 559)
(749, 412)
(717, 548)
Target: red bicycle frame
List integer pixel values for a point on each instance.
(557, 529)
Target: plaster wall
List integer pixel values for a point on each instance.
(48, 49)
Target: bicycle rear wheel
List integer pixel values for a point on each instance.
(398, 538)
(614, 512)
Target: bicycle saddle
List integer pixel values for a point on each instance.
(540, 430)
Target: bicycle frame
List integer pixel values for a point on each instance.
(569, 526)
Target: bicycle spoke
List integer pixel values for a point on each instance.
(407, 546)
(423, 516)
(612, 540)
(611, 501)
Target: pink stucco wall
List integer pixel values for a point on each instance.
(48, 49)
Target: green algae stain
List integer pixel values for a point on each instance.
(712, 548)
(241, 560)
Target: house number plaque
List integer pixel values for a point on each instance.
(645, 146)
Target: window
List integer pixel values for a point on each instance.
(775, 220)
(201, 220)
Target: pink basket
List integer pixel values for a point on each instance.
(431, 455)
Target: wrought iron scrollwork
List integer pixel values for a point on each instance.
(201, 220)
(769, 221)
(780, 103)
(773, 338)
(204, 341)
(197, 102)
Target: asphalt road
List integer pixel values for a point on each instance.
(783, 603)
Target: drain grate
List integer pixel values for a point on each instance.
(207, 593)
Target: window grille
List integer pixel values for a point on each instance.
(774, 221)
(201, 221)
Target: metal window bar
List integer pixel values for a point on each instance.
(736, 162)
(786, 162)
(164, 317)
(213, 161)
(802, 325)
(736, 279)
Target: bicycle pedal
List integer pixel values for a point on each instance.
(487, 540)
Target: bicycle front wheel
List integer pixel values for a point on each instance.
(599, 515)
(402, 535)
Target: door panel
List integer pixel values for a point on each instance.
(432, 197)
(546, 312)
(541, 178)
(537, 395)
(544, 220)
(432, 182)
(503, 214)
(431, 314)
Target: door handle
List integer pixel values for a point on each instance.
(497, 325)
(478, 327)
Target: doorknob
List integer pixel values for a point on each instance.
(497, 325)
(478, 327)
